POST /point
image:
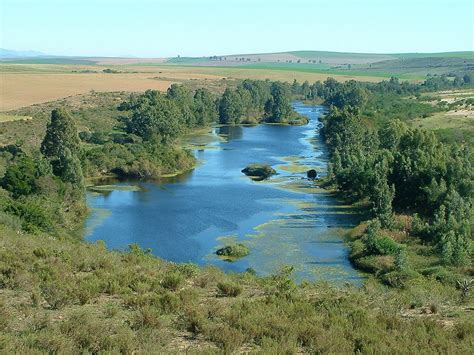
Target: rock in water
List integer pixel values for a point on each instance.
(259, 171)
(312, 174)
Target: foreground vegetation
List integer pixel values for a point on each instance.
(57, 295)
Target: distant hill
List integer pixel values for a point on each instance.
(403, 65)
(415, 66)
(9, 53)
(314, 57)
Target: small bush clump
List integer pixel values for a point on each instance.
(229, 289)
(238, 250)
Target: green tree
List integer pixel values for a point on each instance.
(381, 194)
(61, 146)
(154, 117)
(306, 90)
(230, 107)
(278, 109)
(69, 168)
(61, 133)
(20, 178)
(204, 107)
(183, 98)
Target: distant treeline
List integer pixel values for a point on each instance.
(324, 90)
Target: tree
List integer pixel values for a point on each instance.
(20, 178)
(204, 107)
(183, 99)
(154, 116)
(279, 107)
(230, 107)
(391, 134)
(61, 133)
(306, 90)
(61, 146)
(381, 194)
(69, 168)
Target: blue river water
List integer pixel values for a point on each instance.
(285, 220)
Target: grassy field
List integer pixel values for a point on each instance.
(9, 118)
(456, 122)
(325, 69)
(93, 111)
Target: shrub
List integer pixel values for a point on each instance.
(172, 281)
(441, 274)
(399, 278)
(57, 294)
(229, 289)
(169, 302)
(233, 251)
(380, 245)
(259, 171)
(147, 317)
(401, 259)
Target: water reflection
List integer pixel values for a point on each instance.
(231, 132)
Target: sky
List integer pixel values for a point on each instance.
(167, 28)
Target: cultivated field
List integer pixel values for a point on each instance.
(27, 84)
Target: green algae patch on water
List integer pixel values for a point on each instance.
(98, 215)
(202, 139)
(294, 168)
(110, 188)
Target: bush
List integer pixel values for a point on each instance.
(399, 278)
(147, 317)
(441, 274)
(259, 171)
(233, 251)
(229, 289)
(386, 246)
(172, 281)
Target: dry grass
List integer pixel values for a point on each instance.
(461, 119)
(9, 118)
(18, 90)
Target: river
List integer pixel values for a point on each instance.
(285, 220)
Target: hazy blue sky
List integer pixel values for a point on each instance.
(206, 27)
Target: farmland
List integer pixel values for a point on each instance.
(27, 84)
(27, 81)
